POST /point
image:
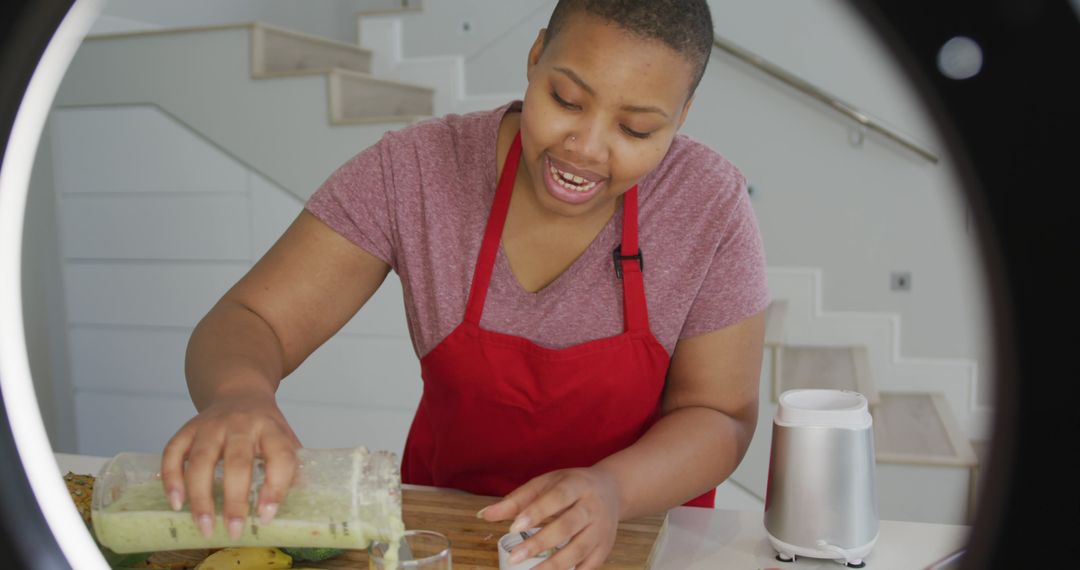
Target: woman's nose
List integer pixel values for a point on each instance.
(587, 146)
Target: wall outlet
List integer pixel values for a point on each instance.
(900, 281)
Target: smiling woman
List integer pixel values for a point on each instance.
(1018, 489)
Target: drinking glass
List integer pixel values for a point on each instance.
(419, 550)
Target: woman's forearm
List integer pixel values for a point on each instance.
(232, 351)
(686, 453)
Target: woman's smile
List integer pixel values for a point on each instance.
(569, 184)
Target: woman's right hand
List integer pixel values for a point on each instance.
(237, 428)
(302, 291)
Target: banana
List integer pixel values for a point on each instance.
(236, 558)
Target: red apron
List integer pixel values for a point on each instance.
(498, 410)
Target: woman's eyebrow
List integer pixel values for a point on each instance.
(588, 89)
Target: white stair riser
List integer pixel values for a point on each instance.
(382, 35)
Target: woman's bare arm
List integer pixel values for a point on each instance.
(310, 283)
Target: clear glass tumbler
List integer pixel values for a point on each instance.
(419, 550)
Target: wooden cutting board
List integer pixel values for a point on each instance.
(473, 540)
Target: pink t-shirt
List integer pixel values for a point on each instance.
(419, 199)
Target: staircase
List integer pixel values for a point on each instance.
(269, 94)
(275, 82)
(355, 95)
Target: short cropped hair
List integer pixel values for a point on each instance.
(684, 25)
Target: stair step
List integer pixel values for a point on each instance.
(919, 428)
(276, 52)
(360, 98)
(829, 367)
(774, 323)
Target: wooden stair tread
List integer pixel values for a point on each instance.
(277, 50)
(829, 367)
(359, 97)
(919, 428)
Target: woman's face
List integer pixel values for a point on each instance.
(600, 112)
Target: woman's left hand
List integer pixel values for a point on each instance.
(586, 505)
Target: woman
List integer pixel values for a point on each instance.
(584, 287)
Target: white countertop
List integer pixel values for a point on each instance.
(716, 538)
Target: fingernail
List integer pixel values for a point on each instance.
(521, 524)
(176, 499)
(267, 512)
(206, 525)
(517, 555)
(480, 513)
(236, 526)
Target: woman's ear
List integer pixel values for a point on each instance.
(685, 110)
(534, 53)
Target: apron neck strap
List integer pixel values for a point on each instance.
(485, 262)
(629, 263)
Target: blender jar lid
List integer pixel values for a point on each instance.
(820, 407)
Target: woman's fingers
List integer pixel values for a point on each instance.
(548, 498)
(239, 456)
(199, 481)
(279, 455)
(588, 550)
(172, 466)
(555, 535)
(234, 435)
(585, 507)
(512, 505)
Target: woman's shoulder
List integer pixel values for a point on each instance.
(691, 164)
(693, 180)
(461, 134)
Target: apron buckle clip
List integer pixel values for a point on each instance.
(618, 257)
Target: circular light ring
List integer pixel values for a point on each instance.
(20, 402)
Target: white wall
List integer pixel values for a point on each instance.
(44, 313)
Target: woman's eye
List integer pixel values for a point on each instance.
(562, 102)
(635, 134)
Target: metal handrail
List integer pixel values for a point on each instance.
(806, 87)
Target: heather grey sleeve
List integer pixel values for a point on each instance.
(357, 201)
(735, 285)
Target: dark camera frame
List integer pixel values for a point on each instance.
(1009, 128)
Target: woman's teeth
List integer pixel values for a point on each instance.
(570, 181)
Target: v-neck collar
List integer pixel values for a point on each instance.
(606, 239)
(503, 270)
